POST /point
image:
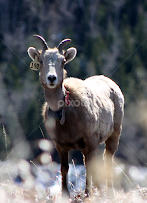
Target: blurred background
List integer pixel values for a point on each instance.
(111, 39)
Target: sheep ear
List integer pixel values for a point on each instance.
(33, 52)
(70, 54)
(34, 55)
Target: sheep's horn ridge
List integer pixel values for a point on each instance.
(42, 40)
(63, 43)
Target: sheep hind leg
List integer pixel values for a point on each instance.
(110, 149)
(91, 174)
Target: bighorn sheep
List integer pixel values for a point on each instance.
(78, 114)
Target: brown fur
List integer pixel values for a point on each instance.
(94, 116)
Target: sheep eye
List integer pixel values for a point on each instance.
(41, 62)
(64, 61)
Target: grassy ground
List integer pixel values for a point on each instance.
(26, 182)
(28, 190)
(11, 193)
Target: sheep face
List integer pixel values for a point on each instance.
(51, 70)
(52, 62)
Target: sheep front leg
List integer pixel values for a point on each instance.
(64, 170)
(88, 176)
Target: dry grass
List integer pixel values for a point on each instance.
(30, 192)
(11, 193)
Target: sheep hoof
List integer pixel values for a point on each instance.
(87, 192)
(110, 193)
(65, 195)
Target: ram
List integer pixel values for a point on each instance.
(78, 114)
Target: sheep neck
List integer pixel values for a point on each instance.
(53, 96)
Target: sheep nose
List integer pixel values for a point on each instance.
(51, 78)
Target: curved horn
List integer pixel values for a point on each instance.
(63, 43)
(42, 40)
